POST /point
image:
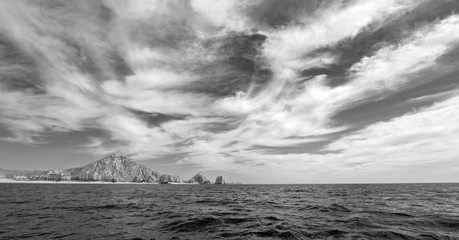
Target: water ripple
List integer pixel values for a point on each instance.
(60, 211)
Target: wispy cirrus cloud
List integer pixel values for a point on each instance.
(230, 84)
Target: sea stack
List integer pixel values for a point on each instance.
(199, 179)
(219, 180)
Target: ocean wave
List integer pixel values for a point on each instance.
(240, 212)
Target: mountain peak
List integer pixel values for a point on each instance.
(116, 156)
(116, 168)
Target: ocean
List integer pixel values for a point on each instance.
(149, 211)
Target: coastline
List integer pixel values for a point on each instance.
(5, 180)
(68, 182)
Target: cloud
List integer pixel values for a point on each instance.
(283, 109)
(224, 86)
(287, 47)
(423, 141)
(426, 136)
(307, 111)
(226, 14)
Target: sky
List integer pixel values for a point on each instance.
(260, 91)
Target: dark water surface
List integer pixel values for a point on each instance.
(115, 211)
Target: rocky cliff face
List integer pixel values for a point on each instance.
(219, 180)
(114, 168)
(199, 178)
(166, 178)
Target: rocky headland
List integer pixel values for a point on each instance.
(112, 168)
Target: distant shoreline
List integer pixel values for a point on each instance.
(3, 180)
(90, 182)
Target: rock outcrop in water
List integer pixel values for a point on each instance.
(114, 168)
(219, 180)
(199, 178)
(166, 178)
